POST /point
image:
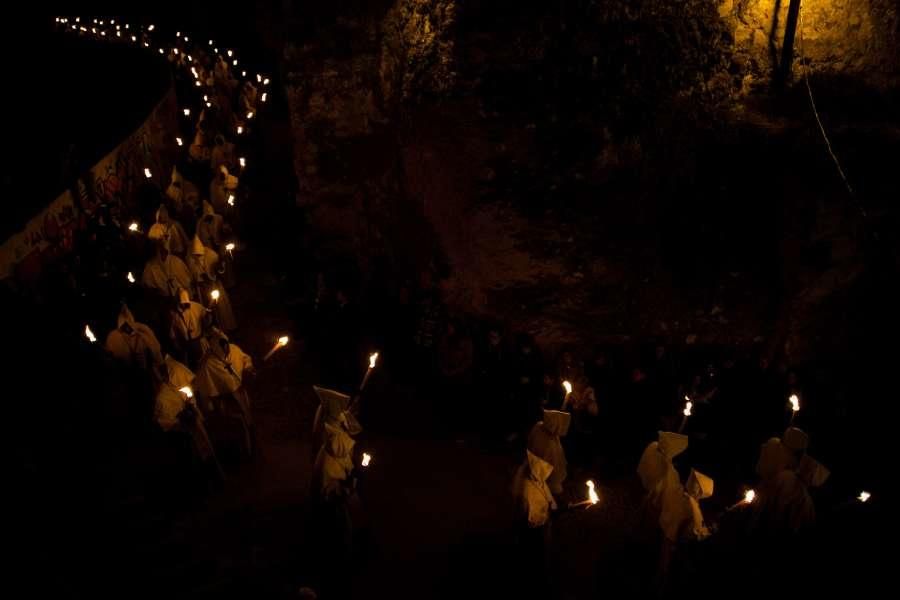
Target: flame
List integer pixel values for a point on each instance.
(229, 246)
(687, 408)
(864, 496)
(215, 295)
(147, 173)
(243, 73)
(266, 81)
(177, 34)
(151, 28)
(373, 358)
(210, 42)
(592, 493)
(179, 142)
(230, 53)
(795, 403)
(230, 199)
(240, 130)
(283, 341)
(130, 277)
(205, 98)
(209, 105)
(249, 115)
(187, 112)
(133, 226)
(367, 458)
(264, 96)
(567, 386)
(186, 39)
(243, 161)
(175, 51)
(749, 496)
(187, 391)
(258, 78)
(89, 334)
(216, 50)
(234, 62)
(118, 34)
(197, 83)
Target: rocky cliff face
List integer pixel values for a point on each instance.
(594, 170)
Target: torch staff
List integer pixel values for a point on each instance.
(795, 407)
(279, 344)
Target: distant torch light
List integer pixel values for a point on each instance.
(243, 73)
(130, 277)
(89, 334)
(240, 130)
(133, 226)
(258, 78)
(215, 295)
(152, 27)
(187, 112)
(179, 141)
(567, 386)
(229, 246)
(147, 173)
(264, 96)
(249, 115)
(230, 53)
(230, 199)
(187, 391)
(266, 81)
(864, 496)
(749, 496)
(243, 161)
(366, 459)
(234, 62)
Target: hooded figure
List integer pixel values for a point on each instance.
(211, 227)
(170, 231)
(247, 101)
(204, 265)
(175, 411)
(134, 343)
(681, 518)
(544, 442)
(533, 495)
(223, 156)
(175, 191)
(221, 187)
(777, 454)
(334, 464)
(656, 471)
(199, 150)
(334, 408)
(189, 320)
(220, 381)
(165, 272)
(784, 505)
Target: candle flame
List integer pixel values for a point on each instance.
(179, 142)
(209, 105)
(687, 408)
(229, 246)
(864, 496)
(130, 277)
(367, 458)
(187, 391)
(243, 161)
(147, 173)
(234, 62)
(795, 403)
(186, 38)
(175, 51)
(230, 199)
(258, 78)
(264, 96)
(567, 386)
(240, 130)
(373, 358)
(230, 53)
(187, 112)
(133, 226)
(749, 496)
(210, 42)
(197, 83)
(592, 493)
(249, 115)
(243, 73)
(134, 38)
(214, 295)
(89, 334)
(283, 341)
(205, 97)
(266, 81)
(151, 28)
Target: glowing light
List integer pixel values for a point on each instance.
(210, 42)
(240, 130)
(567, 386)
(134, 38)
(264, 96)
(205, 97)
(103, 33)
(187, 391)
(161, 51)
(147, 173)
(795, 403)
(179, 142)
(151, 28)
(266, 81)
(133, 226)
(243, 73)
(749, 496)
(230, 53)
(146, 44)
(229, 246)
(89, 334)
(118, 34)
(175, 51)
(283, 341)
(234, 62)
(216, 50)
(366, 459)
(197, 83)
(214, 295)
(130, 277)
(249, 115)
(230, 199)
(688, 405)
(187, 112)
(373, 359)
(177, 34)
(864, 496)
(186, 39)
(209, 105)
(258, 78)
(127, 26)
(190, 58)
(593, 497)
(93, 30)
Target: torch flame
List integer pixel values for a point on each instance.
(249, 115)
(151, 28)
(592, 493)
(367, 458)
(214, 295)
(749, 496)
(230, 53)
(147, 173)
(266, 81)
(795, 403)
(243, 161)
(283, 341)
(240, 130)
(258, 78)
(567, 386)
(187, 112)
(130, 277)
(687, 408)
(373, 358)
(234, 62)
(187, 391)
(864, 496)
(89, 334)
(229, 246)
(179, 142)
(230, 199)
(243, 73)
(133, 226)
(264, 96)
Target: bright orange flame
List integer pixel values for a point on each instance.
(283, 340)
(215, 295)
(187, 391)
(89, 334)
(367, 458)
(795, 403)
(749, 496)
(592, 493)
(567, 386)
(864, 496)
(229, 246)
(373, 358)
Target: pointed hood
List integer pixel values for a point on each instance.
(333, 402)
(197, 247)
(557, 422)
(208, 208)
(795, 439)
(125, 316)
(539, 468)
(183, 296)
(161, 212)
(699, 486)
(672, 444)
(179, 375)
(176, 176)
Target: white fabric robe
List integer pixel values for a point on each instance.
(168, 276)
